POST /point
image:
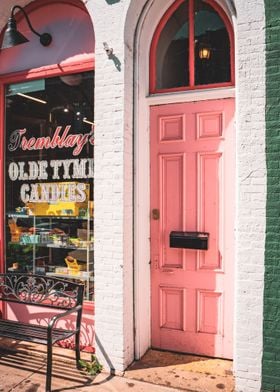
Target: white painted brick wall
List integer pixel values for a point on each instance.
(251, 193)
(113, 192)
(113, 185)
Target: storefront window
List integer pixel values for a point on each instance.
(49, 151)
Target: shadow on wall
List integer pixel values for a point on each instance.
(116, 61)
(40, 316)
(105, 355)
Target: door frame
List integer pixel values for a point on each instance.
(148, 22)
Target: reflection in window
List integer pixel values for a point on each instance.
(49, 157)
(192, 48)
(172, 55)
(212, 46)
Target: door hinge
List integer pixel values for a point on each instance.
(155, 263)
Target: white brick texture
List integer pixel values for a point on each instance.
(251, 193)
(113, 192)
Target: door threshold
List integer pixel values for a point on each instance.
(183, 371)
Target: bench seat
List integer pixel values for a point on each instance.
(32, 333)
(51, 295)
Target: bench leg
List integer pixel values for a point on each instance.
(77, 348)
(49, 368)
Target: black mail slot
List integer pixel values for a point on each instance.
(189, 240)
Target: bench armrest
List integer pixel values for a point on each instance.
(55, 318)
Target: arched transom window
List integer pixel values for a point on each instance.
(192, 48)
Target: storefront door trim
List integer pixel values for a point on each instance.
(48, 71)
(142, 279)
(191, 96)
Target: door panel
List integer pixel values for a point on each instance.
(192, 188)
(171, 205)
(208, 175)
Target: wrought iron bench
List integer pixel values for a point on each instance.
(48, 292)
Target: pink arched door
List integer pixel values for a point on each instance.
(192, 190)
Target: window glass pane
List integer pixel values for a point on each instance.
(212, 46)
(172, 54)
(49, 148)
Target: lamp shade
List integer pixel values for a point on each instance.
(12, 36)
(204, 51)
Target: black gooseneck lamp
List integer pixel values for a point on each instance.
(13, 37)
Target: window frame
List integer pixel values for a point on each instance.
(24, 76)
(153, 49)
(47, 71)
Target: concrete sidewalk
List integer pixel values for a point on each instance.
(23, 369)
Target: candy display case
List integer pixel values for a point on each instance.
(52, 245)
